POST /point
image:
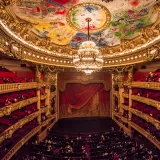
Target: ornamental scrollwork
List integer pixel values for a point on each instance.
(8, 133)
(153, 53)
(7, 110)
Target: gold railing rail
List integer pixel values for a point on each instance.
(8, 132)
(43, 97)
(146, 117)
(6, 88)
(48, 120)
(125, 95)
(146, 134)
(126, 130)
(147, 101)
(15, 106)
(124, 106)
(147, 85)
(121, 117)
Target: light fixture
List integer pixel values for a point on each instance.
(89, 59)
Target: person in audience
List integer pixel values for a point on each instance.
(114, 145)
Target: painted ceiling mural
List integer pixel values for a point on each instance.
(63, 21)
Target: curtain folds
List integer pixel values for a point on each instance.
(83, 99)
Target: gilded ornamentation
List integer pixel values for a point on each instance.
(38, 74)
(7, 110)
(52, 69)
(85, 79)
(153, 53)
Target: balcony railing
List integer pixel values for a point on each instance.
(8, 132)
(124, 107)
(126, 130)
(121, 117)
(28, 136)
(147, 85)
(147, 101)
(146, 134)
(21, 143)
(146, 117)
(7, 110)
(11, 87)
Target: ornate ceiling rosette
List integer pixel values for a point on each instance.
(51, 31)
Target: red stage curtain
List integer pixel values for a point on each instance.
(77, 96)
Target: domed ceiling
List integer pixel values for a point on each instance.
(59, 26)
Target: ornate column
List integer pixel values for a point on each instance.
(114, 82)
(38, 79)
(38, 105)
(121, 90)
(130, 79)
(47, 100)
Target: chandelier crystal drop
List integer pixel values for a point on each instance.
(89, 59)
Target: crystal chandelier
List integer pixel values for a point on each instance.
(89, 59)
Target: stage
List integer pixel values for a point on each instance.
(84, 125)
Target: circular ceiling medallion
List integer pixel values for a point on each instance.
(100, 15)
